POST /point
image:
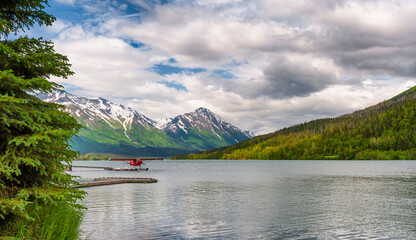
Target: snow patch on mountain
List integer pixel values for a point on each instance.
(162, 122)
(108, 111)
(182, 125)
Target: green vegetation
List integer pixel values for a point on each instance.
(202, 138)
(102, 140)
(51, 222)
(384, 131)
(34, 135)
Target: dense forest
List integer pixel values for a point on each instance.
(383, 131)
(37, 200)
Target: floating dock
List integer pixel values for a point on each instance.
(109, 168)
(114, 180)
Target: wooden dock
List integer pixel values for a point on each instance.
(114, 180)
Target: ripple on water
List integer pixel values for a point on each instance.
(257, 199)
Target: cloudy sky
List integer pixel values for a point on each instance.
(260, 64)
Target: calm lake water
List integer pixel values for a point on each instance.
(254, 200)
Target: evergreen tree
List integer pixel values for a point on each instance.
(34, 135)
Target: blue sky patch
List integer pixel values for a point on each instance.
(163, 69)
(73, 13)
(177, 86)
(224, 73)
(135, 44)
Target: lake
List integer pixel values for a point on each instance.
(254, 200)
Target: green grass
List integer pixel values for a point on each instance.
(59, 222)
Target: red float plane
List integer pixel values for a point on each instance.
(135, 162)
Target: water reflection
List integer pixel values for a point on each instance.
(272, 200)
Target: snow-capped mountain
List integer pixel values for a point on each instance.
(89, 111)
(114, 128)
(204, 129)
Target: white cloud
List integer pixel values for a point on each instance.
(289, 58)
(104, 65)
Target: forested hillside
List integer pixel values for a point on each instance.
(383, 131)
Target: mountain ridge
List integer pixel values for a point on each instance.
(114, 128)
(382, 131)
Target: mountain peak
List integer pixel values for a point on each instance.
(94, 108)
(209, 115)
(100, 99)
(203, 110)
(205, 128)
